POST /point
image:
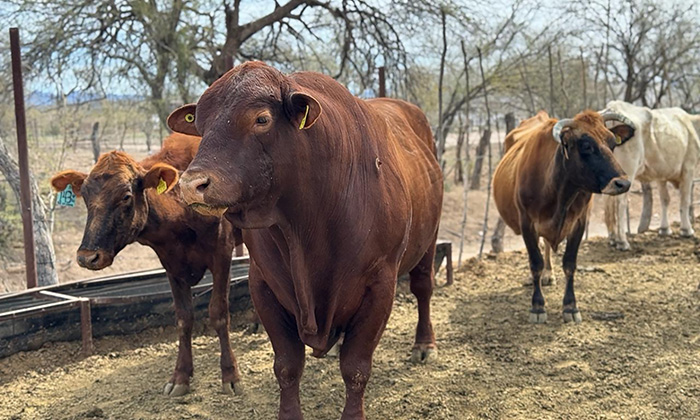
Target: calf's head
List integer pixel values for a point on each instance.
(587, 145)
(114, 193)
(253, 123)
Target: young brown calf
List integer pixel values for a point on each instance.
(140, 202)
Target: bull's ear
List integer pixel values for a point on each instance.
(61, 180)
(304, 110)
(622, 132)
(162, 177)
(182, 120)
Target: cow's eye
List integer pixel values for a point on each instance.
(262, 120)
(126, 197)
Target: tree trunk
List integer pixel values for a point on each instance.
(459, 168)
(441, 134)
(123, 136)
(95, 140)
(45, 257)
(497, 238)
(475, 183)
(647, 204)
(148, 142)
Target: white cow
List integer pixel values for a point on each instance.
(665, 148)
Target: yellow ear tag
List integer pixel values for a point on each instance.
(162, 186)
(618, 140)
(189, 118)
(303, 120)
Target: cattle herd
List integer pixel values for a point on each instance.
(335, 197)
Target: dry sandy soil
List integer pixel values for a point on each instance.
(636, 354)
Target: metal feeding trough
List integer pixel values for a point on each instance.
(119, 304)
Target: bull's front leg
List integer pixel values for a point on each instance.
(288, 347)
(182, 298)
(538, 314)
(570, 310)
(220, 321)
(361, 339)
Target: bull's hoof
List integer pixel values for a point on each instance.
(232, 388)
(176, 390)
(623, 246)
(687, 233)
(538, 317)
(664, 231)
(572, 315)
(423, 354)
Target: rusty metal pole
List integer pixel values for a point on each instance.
(25, 189)
(86, 326)
(382, 83)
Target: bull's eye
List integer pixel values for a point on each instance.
(262, 120)
(126, 197)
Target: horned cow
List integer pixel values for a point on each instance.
(543, 187)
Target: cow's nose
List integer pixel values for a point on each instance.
(193, 185)
(89, 259)
(617, 186)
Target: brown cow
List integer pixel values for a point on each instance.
(340, 196)
(124, 207)
(543, 187)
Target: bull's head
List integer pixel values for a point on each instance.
(253, 122)
(586, 148)
(114, 193)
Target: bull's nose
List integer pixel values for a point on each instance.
(193, 185)
(617, 186)
(89, 259)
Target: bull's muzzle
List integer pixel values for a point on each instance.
(617, 186)
(193, 186)
(94, 259)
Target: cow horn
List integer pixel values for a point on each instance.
(558, 127)
(614, 116)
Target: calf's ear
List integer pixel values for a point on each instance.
(61, 180)
(182, 120)
(162, 177)
(622, 132)
(303, 110)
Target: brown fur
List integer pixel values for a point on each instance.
(123, 207)
(544, 189)
(340, 207)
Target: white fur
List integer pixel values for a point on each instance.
(665, 148)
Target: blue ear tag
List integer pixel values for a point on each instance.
(66, 198)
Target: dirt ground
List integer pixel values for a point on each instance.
(636, 354)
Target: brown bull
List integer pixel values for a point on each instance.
(543, 187)
(124, 207)
(337, 197)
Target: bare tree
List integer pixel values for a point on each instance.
(45, 256)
